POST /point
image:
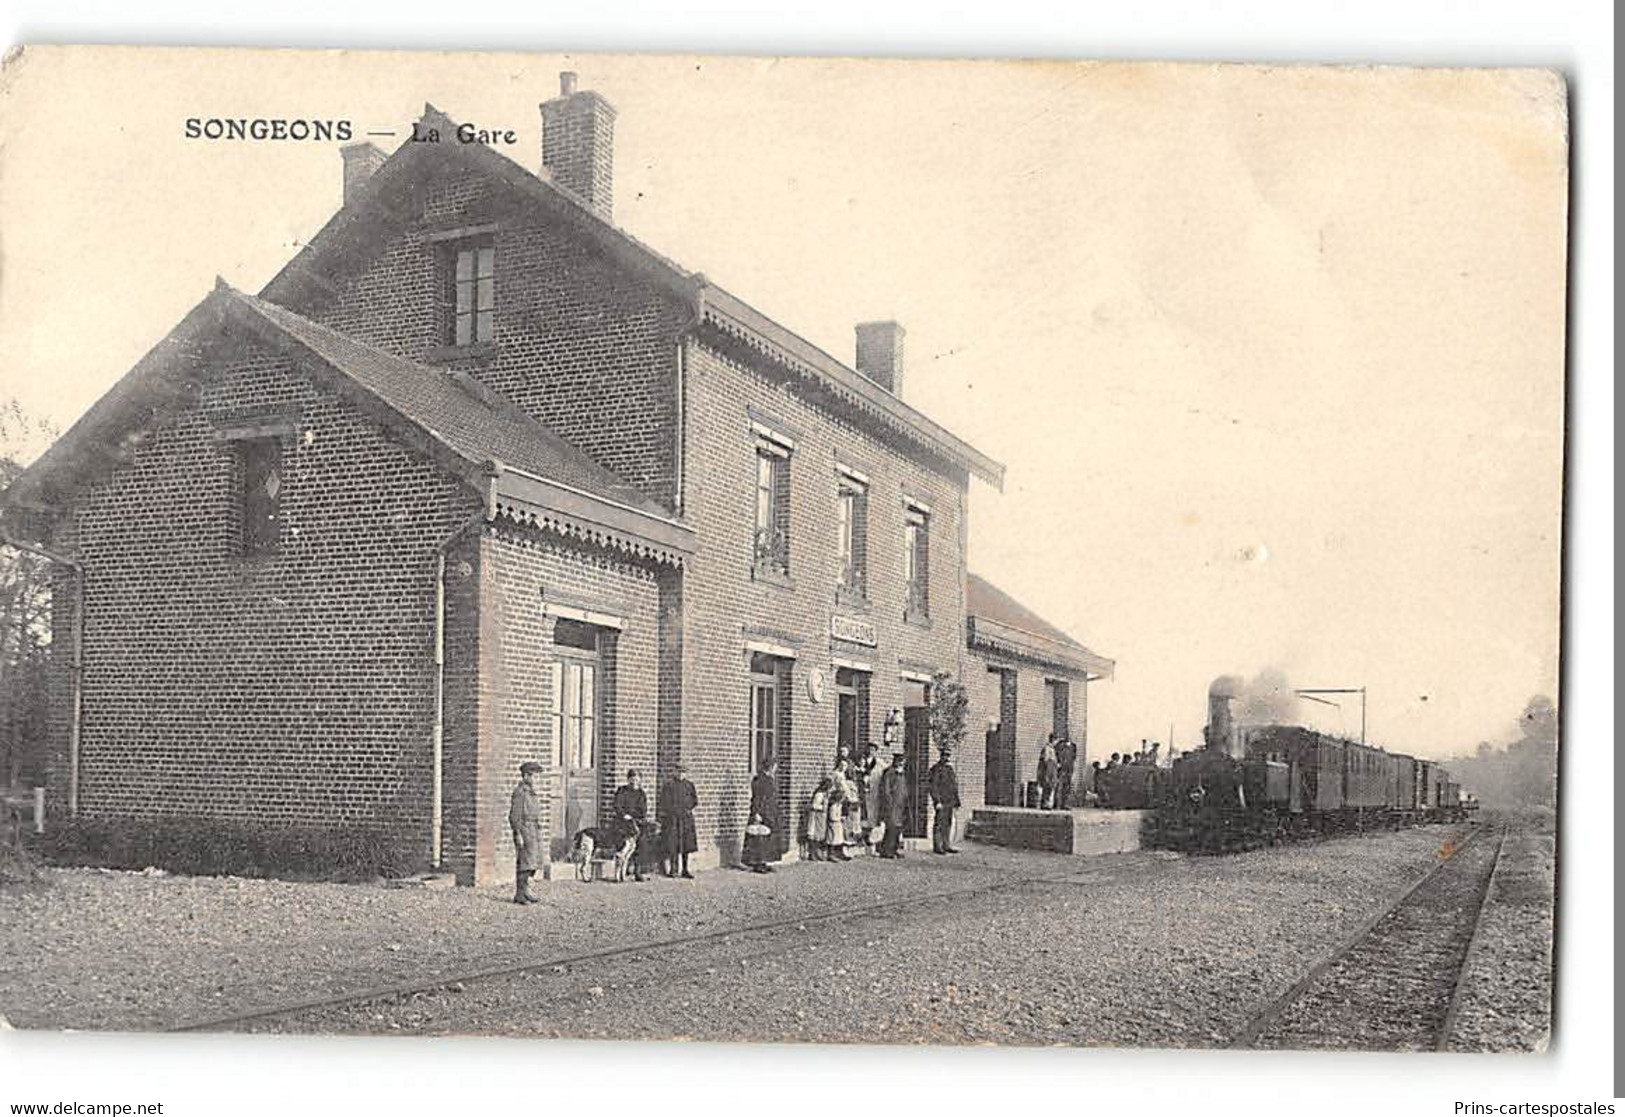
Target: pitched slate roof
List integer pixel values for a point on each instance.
(522, 466)
(1000, 622)
(468, 417)
(709, 303)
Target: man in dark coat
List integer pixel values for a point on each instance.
(1047, 773)
(944, 784)
(1066, 762)
(759, 849)
(891, 808)
(677, 802)
(525, 819)
(631, 807)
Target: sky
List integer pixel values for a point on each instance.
(1273, 356)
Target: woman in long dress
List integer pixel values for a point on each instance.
(835, 835)
(759, 848)
(1048, 770)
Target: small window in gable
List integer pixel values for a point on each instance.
(471, 266)
(260, 498)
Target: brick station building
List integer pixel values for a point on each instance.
(477, 479)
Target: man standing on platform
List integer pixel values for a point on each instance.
(525, 820)
(1066, 760)
(944, 785)
(891, 808)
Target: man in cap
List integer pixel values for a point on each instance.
(631, 807)
(944, 785)
(525, 819)
(891, 807)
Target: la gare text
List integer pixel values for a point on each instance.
(276, 128)
(465, 133)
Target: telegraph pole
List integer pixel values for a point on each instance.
(1310, 692)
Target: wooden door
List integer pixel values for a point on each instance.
(917, 762)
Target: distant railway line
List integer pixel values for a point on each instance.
(1394, 984)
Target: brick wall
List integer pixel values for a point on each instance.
(581, 344)
(293, 689)
(520, 572)
(722, 600)
(1031, 718)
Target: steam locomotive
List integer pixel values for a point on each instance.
(1260, 784)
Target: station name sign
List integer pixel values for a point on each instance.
(853, 630)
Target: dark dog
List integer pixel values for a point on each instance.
(604, 845)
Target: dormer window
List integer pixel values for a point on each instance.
(473, 293)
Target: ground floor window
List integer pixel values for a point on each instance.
(768, 709)
(575, 721)
(852, 710)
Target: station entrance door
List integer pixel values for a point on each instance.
(917, 755)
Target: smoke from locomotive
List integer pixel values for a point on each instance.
(1235, 704)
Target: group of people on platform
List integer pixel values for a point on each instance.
(1057, 760)
(861, 805)
(1056, 787)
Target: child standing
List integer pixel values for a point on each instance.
(818, 821)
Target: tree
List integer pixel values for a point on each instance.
(25, 620)
(949, 703)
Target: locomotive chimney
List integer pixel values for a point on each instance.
(1221, 722)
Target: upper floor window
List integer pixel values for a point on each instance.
(473, 293)
(916, 562)
(852, 531)
(772, 551)
(260, 470)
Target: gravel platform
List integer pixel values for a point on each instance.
(97, 949)
(1142, 949)
(1505, 1002)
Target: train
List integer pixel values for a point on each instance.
(1251, 785)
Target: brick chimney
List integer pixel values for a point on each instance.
(578, 144)
(361, 159)
(880, 354)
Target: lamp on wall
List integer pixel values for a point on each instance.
(894, 724)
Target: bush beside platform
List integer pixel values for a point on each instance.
(209, 847)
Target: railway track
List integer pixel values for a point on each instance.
(638, 951)
(1394, 983)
